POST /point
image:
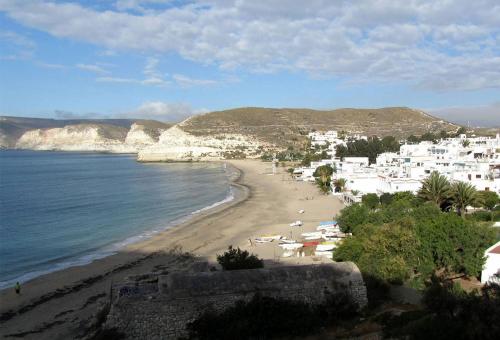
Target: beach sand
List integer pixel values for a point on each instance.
(59, 305)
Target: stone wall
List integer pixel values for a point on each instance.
(161, 309)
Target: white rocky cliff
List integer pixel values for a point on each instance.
(87, 137)
(177, 145)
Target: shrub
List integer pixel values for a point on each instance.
(489, 199)
(495, 216)
(234, 259)
(386, 198)
(451, 313)
(352, 217)
(371, 201)
(266, 317)
(480, 216)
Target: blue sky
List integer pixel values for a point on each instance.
(166, 59)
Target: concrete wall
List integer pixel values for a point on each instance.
(145, 313)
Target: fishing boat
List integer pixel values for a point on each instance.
(268, 238)
(291, 246)
(327, 224)
(285, 240)
(296, 224)
(310, 243)
(316, 234)
(328, 254)
(325, 246)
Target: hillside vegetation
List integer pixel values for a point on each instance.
(289, 126)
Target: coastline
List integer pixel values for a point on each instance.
(237, 192)
(262, 204)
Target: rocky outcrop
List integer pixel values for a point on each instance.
(177, 145)
(139, 137)
(88, 137)
(74, 138)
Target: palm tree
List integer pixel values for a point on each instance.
(462, 195)
(435, 188)
(324, 173)
(340, 184)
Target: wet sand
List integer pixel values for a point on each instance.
(58, 305)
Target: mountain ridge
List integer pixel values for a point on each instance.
(212, 135)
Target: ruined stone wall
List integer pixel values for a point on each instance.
(146, 313)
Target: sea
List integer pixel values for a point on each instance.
(62, 209)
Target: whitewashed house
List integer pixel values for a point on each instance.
(492, 265)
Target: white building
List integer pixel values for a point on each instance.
(473, 160)
(491, 269)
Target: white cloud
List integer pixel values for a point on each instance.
(50, 65)
(116, 80)
(155, 110)
(17, 39)
(17, 46)
(92, 68)
(435, 44)
(151, 73)
(185, 81)
(163, 111)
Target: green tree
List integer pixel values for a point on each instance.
(435, 188)
(462, 195)
(428, 136)
(371, 201)
(234, 259)
(386, 198)
(412, 139)
(322, 175)
(390, 144)
(341, 152)
(452, 244)
(460, 131)
(488, 199)
(352, 217)
(388, 252)
(340, 184)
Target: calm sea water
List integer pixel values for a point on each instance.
(62, 209)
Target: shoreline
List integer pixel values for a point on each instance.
(237, 193)
(263, 204)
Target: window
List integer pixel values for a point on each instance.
(478, 176)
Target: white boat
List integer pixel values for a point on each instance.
(328, 224)
(296, 224)
(314, 234)
(284, 240)
(325, 247)
(328, 254)
(301, 211)
(291, 246)
(331, 238)
(328, 228)
(263, 240)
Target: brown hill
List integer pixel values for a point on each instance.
(283, 126)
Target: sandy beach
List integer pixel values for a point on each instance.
(59, 305)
